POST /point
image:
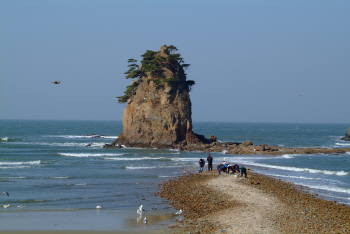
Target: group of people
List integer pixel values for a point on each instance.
(222, 167)
(202, 164)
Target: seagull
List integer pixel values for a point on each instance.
(98, 207)
(6, 206)
(6, 193)
(301, 94)
(140, 208)
(179, 212)
(145, 220)
(21, 207)
(56, 82)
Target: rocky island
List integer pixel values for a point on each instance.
(159, 111)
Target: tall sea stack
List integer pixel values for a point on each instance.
(158, 111)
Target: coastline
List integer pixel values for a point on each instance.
(257, 204)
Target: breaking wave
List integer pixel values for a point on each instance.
(20, 163)
(309, 170)
(80, 155)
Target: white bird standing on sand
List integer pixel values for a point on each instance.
(145, 220)
(179, 212)
(6, 206)
(6, 193)
(98, 207)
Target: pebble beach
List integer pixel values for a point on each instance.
(213, 203)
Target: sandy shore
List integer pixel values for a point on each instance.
(257, 204)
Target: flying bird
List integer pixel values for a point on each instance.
(139, 210)
(301, 94)
(56, 82)
(6, 193)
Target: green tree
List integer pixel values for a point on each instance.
(152, 63)
(133, 71)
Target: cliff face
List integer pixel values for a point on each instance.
(158, 113)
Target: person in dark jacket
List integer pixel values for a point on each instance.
(243, 171)
(210, 163)
(201, 165)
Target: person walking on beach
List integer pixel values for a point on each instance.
(201, 165)
(210, 163)
(243, 171)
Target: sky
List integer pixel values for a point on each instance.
(250, 60)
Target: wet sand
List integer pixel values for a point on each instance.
(257, 204)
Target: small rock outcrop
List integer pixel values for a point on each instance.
(347, 136)
(158, 112)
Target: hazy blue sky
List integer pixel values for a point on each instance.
(250, 59)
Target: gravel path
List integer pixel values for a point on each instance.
(257, 204)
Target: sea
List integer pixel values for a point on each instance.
(59, 177)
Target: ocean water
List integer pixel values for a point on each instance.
(51, 173)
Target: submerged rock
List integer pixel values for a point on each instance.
(347, 136)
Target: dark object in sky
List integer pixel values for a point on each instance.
(6, 193)
(56, 82)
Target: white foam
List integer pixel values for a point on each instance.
(21, 163)
(309, 170)
(343, 144)
(184, 159)
(5, 139)
(14, 167)
(288, 155)
(63, 177)
(80, 155)
(302, 177)
(134, 159)
(328, 188)
(20, 177)
(83, 136)
(138, 168)
(174, 150)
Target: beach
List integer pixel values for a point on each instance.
(214, 203)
